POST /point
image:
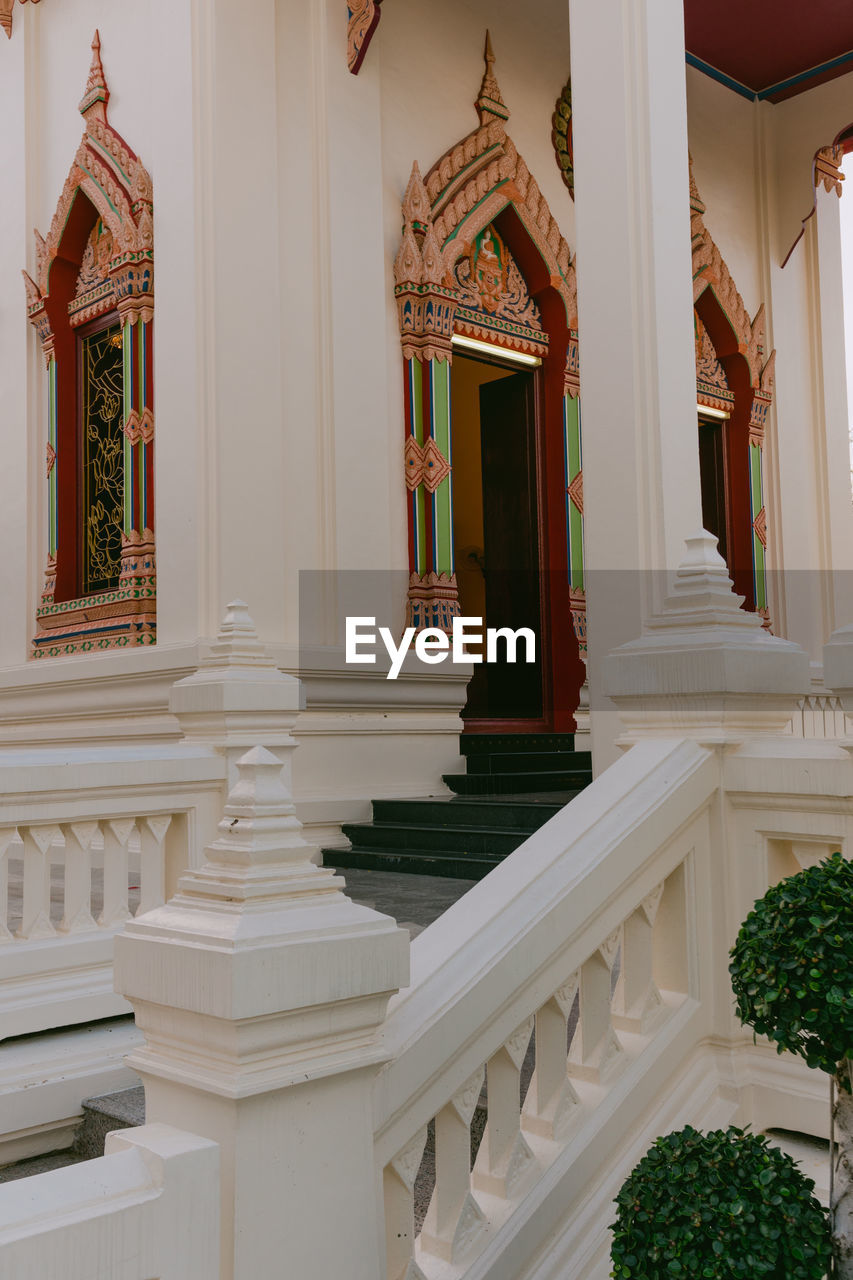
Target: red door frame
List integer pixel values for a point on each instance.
(563, 670)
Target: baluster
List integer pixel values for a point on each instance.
(669, 943)
(839, 720)
(596, 1052)
(35, 916)
(399, 1181)
(637, 1003)
(504, 1157)
(116, 858)
(152, 865)
(811, 711)
(7, 835)
(454, 1220)
(551, 1101)
(77, 913)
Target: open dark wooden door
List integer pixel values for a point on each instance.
(504, 691)
(712, 475)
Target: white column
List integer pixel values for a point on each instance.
(638, 378)
(220, 449)
(183, 425)
(21, 364)
(834, 506)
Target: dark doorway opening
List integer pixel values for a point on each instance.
(712, 477)
(498, 535)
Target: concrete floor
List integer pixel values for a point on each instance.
(413, 901)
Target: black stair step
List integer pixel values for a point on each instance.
(417, 862)
(493, 784)
(498, 812)
(530, 762)
(402, 837)
(476, 744)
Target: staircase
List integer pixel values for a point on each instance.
(513, 784)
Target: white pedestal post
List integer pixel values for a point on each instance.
(238, 698)
(260, 989)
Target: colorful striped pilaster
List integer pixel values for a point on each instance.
(128, 419)
(573, 460)
(573, 464)
(759, 527)
(433, 600)
(438, 373)
(414, 384)
(144, 447)
(52, 510)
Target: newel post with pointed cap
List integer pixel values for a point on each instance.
(260, 990)
(704, 668)
(238, 697)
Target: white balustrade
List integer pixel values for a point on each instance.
(566, 1015)
(149, 1207)
(89, 839)
(574, 1044)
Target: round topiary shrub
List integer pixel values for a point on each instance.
(719, 1205)
(792, 965)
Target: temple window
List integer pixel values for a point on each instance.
(92, 305)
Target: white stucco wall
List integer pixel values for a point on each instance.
(278, 178)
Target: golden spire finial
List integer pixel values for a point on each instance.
(490, 105)
(96, 95)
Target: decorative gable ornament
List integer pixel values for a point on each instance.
(561, 136)
(453, 270)
(7, 8)
(362, 20)
(118, 264)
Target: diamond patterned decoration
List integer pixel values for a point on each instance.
(414, 463)
(427, 466)
(576, 491)
(759, 524)
(51, 457)
(436, 466)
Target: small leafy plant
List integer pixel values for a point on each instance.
(719, 1205)
(792, 974)
(792, 966)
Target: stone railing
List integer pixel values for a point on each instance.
(571, 1007)
(566, 983)
(87, 840)
(147, 1208)
(91, 837)
(574, 1005)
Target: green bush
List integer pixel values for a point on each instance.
(719, 1205)
(792, 965)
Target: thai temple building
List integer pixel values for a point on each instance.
(427, 614)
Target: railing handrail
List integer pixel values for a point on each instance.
(570, 877)
(45, 778)
(157, 1190)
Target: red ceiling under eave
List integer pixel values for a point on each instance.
(761, 43)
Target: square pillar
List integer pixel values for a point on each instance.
(635, 310)
(834, 508)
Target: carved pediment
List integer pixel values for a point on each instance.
(490, 282)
